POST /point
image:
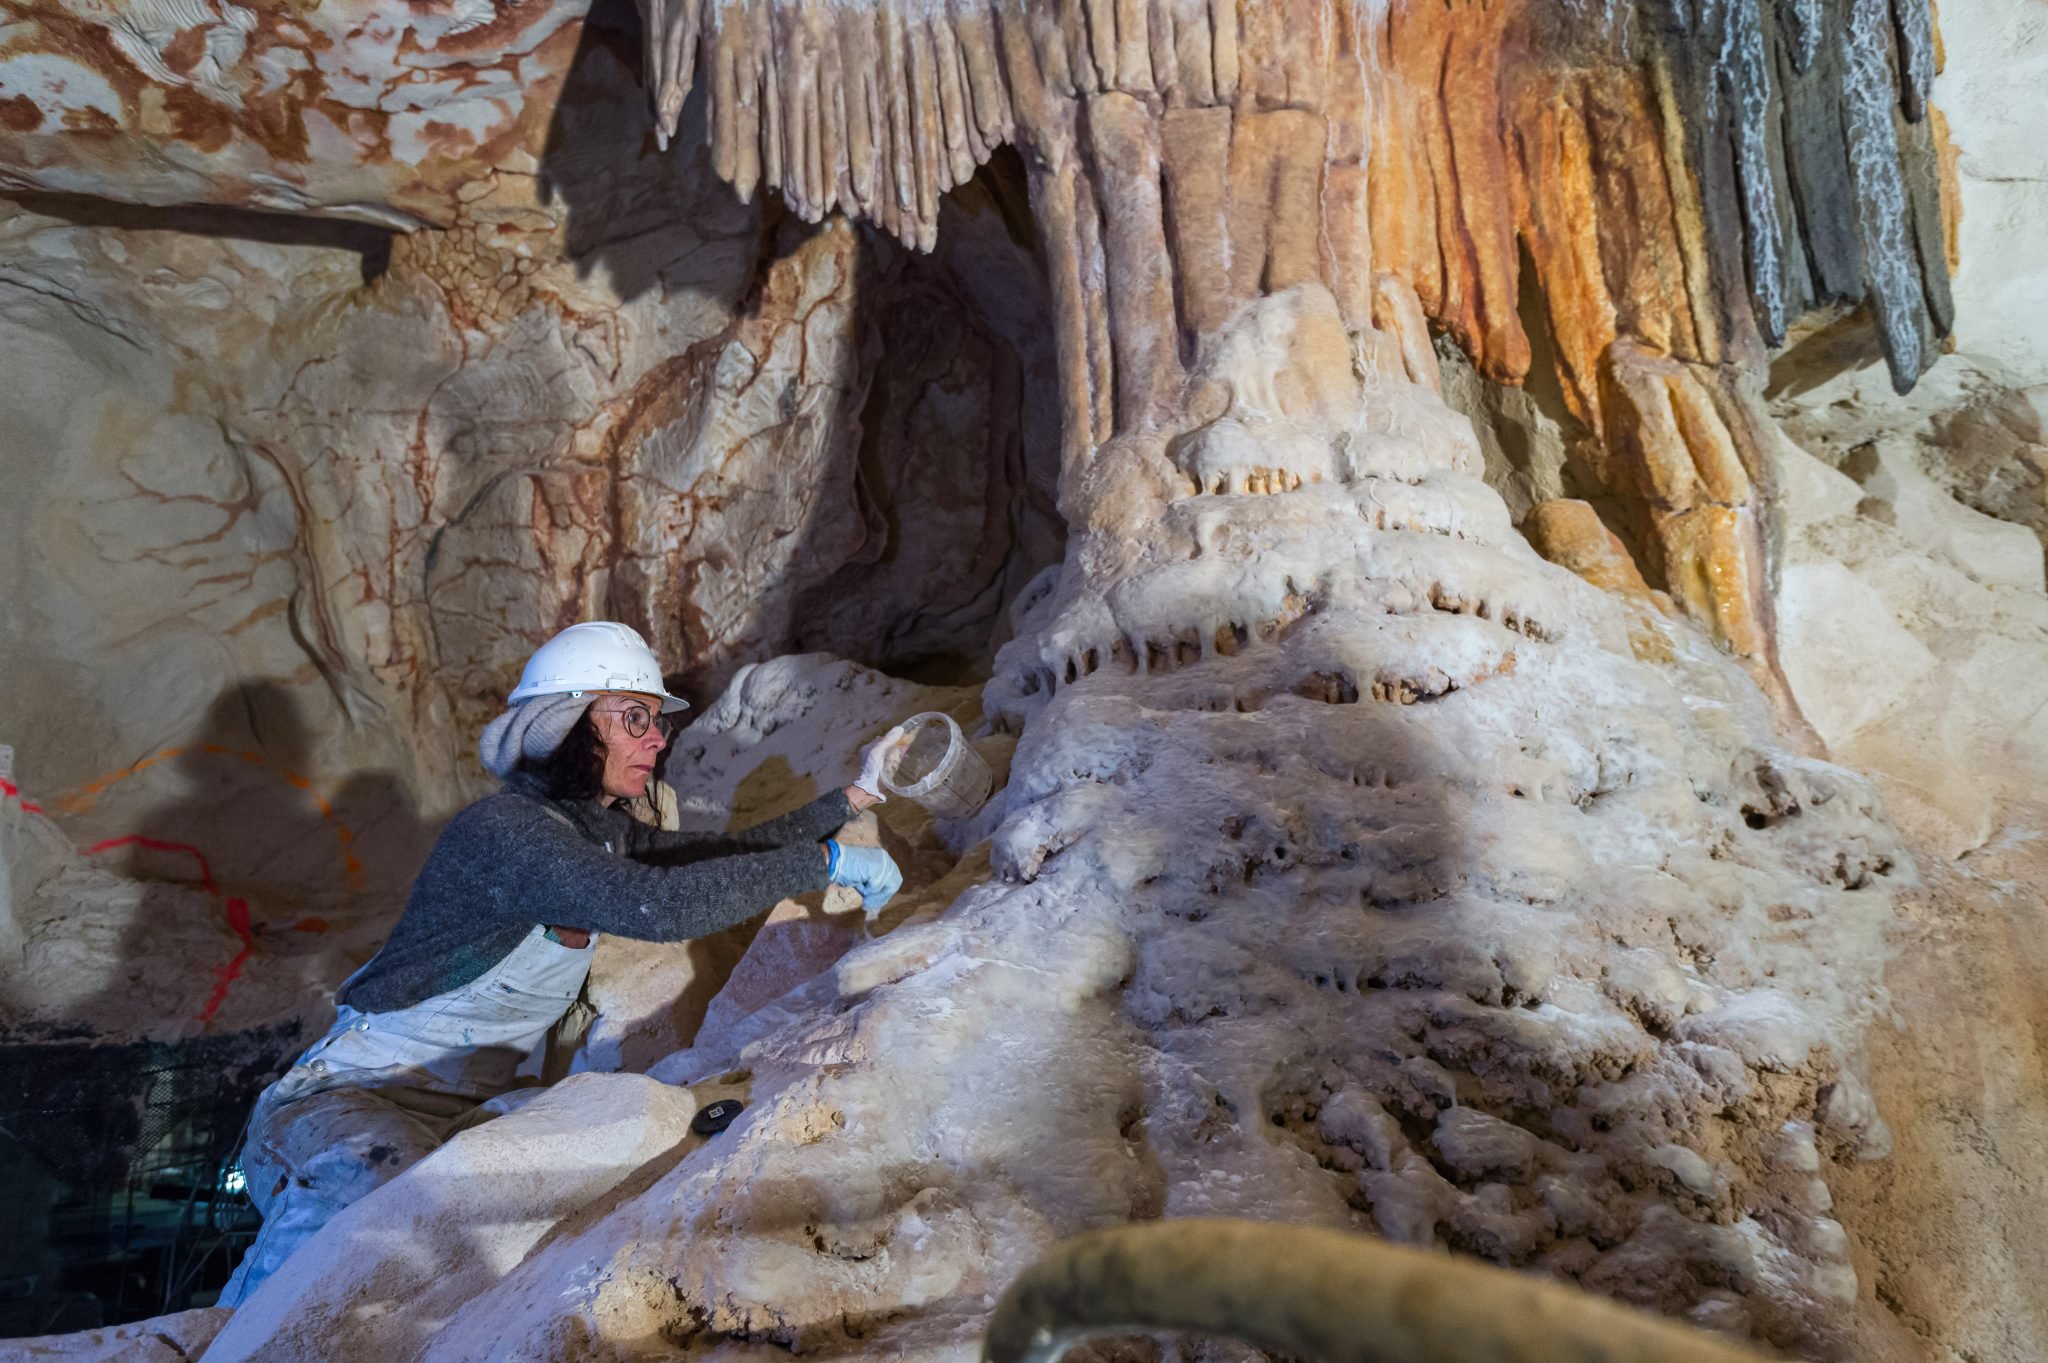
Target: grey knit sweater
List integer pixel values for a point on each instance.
(507, 862)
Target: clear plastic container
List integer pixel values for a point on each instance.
(934, 765)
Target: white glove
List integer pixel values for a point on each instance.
(874, 759)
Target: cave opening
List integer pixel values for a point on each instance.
(854, 450)
(957, 442)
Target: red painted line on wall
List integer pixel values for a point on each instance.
(206, 882)
(8, 788)
(237, 909)
(82, 799)
(225, 975)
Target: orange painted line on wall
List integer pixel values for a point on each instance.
(80, 800)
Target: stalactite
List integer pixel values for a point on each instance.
(1916, 55)
(1054, 195)
(1397, 311)
(1850, 65)
(1891, 266)
(1685, 178)
(1562, 234)
(1803, 21)
(1346, 197)
(1747, 76)
(1182, 65)
(1143, 328)
(1797, 164)
(1818, 161)
(1194, 156)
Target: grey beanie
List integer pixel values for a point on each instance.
(533, 728)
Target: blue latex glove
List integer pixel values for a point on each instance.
(867, 869)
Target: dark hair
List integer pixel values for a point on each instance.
(575, 770)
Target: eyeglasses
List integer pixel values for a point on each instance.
(637, 719)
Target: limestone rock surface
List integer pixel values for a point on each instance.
(347, 110)
(288, 514)
(176, 1338)
(383, 1278)
(161, 958)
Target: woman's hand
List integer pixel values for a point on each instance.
(874, 760)
(869, 870)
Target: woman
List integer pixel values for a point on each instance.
(495, 941)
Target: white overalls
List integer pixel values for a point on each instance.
(381, 1090)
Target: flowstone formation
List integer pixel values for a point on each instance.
(1356, 867)
(1467, 902)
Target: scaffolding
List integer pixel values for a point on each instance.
(124, 1158)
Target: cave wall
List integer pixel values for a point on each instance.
(1497, 173)
(296, 497)
(1913, 555)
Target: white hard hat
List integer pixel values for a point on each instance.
(597, 655)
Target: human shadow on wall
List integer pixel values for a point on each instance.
(302, 878)
(241, 918)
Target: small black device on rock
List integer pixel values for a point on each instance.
(716, 1117)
